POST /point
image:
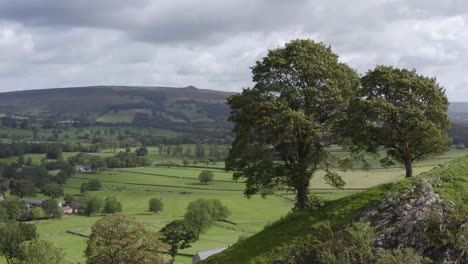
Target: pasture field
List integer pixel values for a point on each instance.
(178, 186)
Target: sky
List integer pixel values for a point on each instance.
(212, 44)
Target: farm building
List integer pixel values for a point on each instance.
(83, 168)
(32, 202)
(67, 210)
(205, 254)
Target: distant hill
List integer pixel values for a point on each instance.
(141, 106)
(458, 112)
(164, 107)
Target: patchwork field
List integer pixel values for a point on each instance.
(178, 186)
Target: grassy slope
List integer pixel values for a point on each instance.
(260, 247)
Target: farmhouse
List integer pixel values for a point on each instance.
(68, 210)
(205, 254)
(83, 168)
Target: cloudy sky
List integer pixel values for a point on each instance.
(212, 43)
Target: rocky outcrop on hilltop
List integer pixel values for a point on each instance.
(418, 218)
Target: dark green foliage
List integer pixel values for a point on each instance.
(205, 176)
(125, 160)
(52, 190)
(97, 163)
(91, 205)
(91, 185)
(12, 234)
(402, 111)
(52, 209)
(112, 205)
(202, 213)
(22, 188)
(39, 252)
(13, 209)
(141, 151)
(155, 205)
(54, 152)
(178, 235)
(284, 124)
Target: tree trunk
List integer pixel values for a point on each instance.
(409, 168)
(301, 198)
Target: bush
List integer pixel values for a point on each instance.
(38, 213)
(398, 256)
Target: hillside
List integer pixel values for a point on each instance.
(397, 211)
(162, 107)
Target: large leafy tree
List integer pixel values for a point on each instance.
(178, 235)
(404, 112)
(12, 234)
(118, 238)
(285, 123)
(39, 252)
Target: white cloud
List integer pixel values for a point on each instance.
(212, 44)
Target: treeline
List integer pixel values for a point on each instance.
(459, 134)
(53, 150)
(125, 159)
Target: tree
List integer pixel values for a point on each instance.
(111, 205)
(404, 112)
(12, 234)
(52, 209)
(38, 213)
(54, 152)
(97, 163)
(118, 238)
(202, 213)
(155, 205)
(91, 204)
(23, 188)
(14, 209)
(178, 235)
(205, 176)
(39, 252)
(141, 151)
(52, 190)
(91, 185)
(284, 124)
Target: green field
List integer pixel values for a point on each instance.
(180, 185)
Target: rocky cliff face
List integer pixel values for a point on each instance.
(408, 219)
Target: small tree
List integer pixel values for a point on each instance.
(141, 151)
(91, 205)
(155, 205)
(205, 176)
(52, 208)
(52, 190)
(38, 213)
(118, 238)
(202, 213)
(97, 163)
(178, 235)
(111, 205)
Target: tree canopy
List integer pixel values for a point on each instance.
(285, 122)
(118, 238)
(205, 176)
(402, 111)
(178, 235)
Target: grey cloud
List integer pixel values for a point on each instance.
(212, 43)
